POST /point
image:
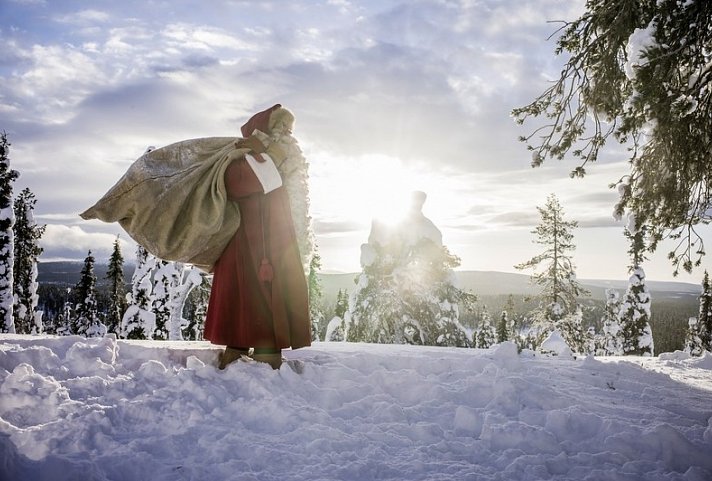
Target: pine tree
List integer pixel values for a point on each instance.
(85, 320)
(571, 330)
(7, 244)
(28, 319)
(165, 278)
(196, 309)
(560, 288)
(699, 333)
(635, 317)
(635, 313)
(316, 308)
(485, 336)
(408, 299)
(172, 282)
(335, 330)
(139, 321)
(64, 323)
(590, 343)
(189, 277)
(704, 320)
(503, 328)
(406, 292)
(638, 70)
(693, 342)
(117, 293)
(342, 303)
(514, 323)
(612, 341)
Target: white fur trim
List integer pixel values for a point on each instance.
(266, 172)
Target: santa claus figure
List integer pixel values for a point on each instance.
(236, 207)
(259, 302)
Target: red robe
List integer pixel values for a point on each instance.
(244, 311)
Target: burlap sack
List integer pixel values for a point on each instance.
(173, 201)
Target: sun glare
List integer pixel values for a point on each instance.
(380, 188)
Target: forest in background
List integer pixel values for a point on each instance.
(673, 303)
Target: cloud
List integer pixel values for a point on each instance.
(328, 227)
(516, 219)
(429, 84)
(73, 242)
(83, 17)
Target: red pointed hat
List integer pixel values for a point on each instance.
(259, 121)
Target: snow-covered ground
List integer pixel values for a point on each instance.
(101, 409)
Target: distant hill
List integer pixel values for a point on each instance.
(68, 273)
(492, 283)
(483, 283)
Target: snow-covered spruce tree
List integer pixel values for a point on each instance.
(693, 342)
(557, 277)
(139, 321)
(406, 292)
(7, 248)
(195, 310)
(342, 303)
(485, 336)
(190, 278)
(316, 308)
(172, 282)
(638, 70)
(335, 328)
(28, 319)
(699, 332)
(64, 323)
(117, 293)
(503, 332)
(704, 319)
(85, 320)
(165, 278)
(635, 314)
(591, 345)
(571, 329)
(612, 338)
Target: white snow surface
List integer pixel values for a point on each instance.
(556, 345)
(73, 408)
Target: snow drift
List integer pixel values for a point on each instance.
(101, 409)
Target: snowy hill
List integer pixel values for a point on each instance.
(68, 272)
(488, 283)
(101, 409)
(480, 282)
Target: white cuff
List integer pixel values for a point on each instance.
(266, 172)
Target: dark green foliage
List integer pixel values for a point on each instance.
(557, 277)
(7, 177)
(342, 303)
(195, 310)
(699, 335)
(635, 317)
(503, 328)
(85, 318)
(138, 320)
(117, 286)
(657, 102)
(27, 249)
(485, 337)
(704, 319)
(316, 307)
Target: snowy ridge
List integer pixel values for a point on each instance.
(100, 409)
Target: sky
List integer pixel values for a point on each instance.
(389, 97)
